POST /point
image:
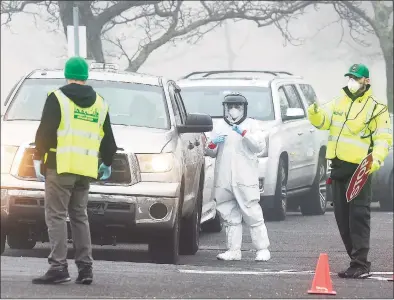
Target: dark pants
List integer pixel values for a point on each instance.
(67, 193)
(353, 220)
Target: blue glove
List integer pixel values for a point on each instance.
(37, 169)
(237, 129)
(219, 139)
(105, 170)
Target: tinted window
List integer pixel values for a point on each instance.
(309, 93)
(293, 96)
(129, 104)
(284, 103)
(208, 100)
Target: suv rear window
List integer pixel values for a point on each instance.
(208, 100)
(130, 104)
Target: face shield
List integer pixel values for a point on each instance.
(234, 109)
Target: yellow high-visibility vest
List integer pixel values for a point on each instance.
(357, 127)
(79, 136)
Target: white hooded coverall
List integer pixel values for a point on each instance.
(236, 184)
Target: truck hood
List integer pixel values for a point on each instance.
(130, 138)
(265, 125)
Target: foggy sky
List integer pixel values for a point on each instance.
(321, 61)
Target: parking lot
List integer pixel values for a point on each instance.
(125, 270)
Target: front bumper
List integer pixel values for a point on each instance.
(109, 207)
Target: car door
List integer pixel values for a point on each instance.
(195, 141)
(185, 141)
(317, 137)
(288, 138)
(305, 144)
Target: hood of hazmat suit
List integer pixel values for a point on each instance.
(235, 108)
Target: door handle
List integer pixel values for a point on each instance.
(300, 133)
(312, 129)
(197, 143)
(190, 146)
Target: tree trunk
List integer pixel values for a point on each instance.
(388, 59)
(94, 43)
(93, 30)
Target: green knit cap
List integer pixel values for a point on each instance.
(76, 68)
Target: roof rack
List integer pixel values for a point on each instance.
(103, 66)
(208, 73)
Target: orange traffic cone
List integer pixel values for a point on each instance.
(322, 283)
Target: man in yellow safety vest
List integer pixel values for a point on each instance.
(358, 125)
(74, 128)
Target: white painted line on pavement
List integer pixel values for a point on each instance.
(283, 272)
(382, 273)
(244, 272)
(379, 278)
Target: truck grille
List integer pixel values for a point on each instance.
(123, 172)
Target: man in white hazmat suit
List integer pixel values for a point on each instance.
(235, 142)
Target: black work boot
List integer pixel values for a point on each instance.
(356, 272)
(85, 275)
(53, 276)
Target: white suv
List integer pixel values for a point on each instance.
(293, 168)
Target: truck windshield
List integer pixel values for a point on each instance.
(208, 100)
(130, 104)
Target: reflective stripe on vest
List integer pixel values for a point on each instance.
(358, 143)
(79, 136)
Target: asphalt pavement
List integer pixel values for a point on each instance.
(125, 271)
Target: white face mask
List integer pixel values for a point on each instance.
(353, 85)
(234, 113)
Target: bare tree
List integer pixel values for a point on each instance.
(378, 23)
(95, 15)
(161, 21)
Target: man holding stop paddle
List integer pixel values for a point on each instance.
(359, 139)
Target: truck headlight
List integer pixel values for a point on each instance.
(7, 158)
(265, 152)
(155, 163)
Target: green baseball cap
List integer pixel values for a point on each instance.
(358, 70)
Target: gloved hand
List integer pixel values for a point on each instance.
(313, 109)
(37, 169)
(237, 129)
(219, 139)
(374, 167)
(105, 170)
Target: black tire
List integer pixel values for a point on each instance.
(278, 212)
(164, 249)
(20, 240)
(3, 238)
(190, 229)
(214, 225)
(293, 204)
(315, 201)
(386, 203)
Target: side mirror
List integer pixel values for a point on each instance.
(196, 123)
(293, 114)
